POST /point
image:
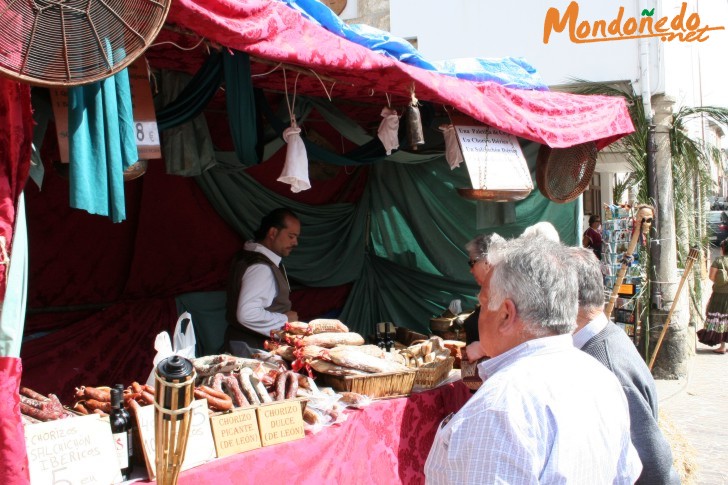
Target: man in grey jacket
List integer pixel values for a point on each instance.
(611, 346)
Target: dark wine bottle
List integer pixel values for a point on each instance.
(128, 417)
(121, 431)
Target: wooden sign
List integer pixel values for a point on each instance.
(200, 445)
(280, 422)
(235, 432)
(72, 451)
(145, 120)
(492, 152)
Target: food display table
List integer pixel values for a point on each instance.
(386, 442)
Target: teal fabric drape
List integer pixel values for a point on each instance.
(12, 310)
(241, 105)
(193, 99)
(187, 148)
(401, 245)
(102, 144)
(332, 236)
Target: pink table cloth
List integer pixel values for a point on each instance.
(384, 443)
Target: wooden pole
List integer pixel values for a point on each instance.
(623, 269)
(692, 256)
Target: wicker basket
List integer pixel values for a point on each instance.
(433, 373)
(385, 384)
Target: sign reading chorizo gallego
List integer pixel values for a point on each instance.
(683, 27)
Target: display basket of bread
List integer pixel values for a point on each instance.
(431, 360)
(380, 385)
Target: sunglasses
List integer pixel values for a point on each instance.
(647, 220)
(473, 262)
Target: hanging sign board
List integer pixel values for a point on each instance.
(145, 120)
(200, 445)
(72, 451)
(494, 158)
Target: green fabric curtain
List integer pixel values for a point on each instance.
(401, 245)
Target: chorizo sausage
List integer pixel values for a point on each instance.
(41, 414)
(233, 388)
(26, 391)
(101, 395)
(79, 407)
(292, 388)
(93, 405)
(281, 386)
(136, 388)
(215, 400)
(31, 402)
(247, 386)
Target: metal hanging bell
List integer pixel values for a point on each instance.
(414, 127)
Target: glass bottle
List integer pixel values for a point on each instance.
(121, 432)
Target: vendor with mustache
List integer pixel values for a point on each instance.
(258, 291)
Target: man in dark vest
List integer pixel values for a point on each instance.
(258, 290)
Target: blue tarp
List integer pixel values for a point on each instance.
(508, 71)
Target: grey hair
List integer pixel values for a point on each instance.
(480, 244)
(589, 277)
(536, 276)
(542, 229)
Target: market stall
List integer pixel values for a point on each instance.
(99, 292)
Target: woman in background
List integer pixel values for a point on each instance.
(593, 236)
(715, 331)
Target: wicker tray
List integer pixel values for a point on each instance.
(385, 384)
(433, 373)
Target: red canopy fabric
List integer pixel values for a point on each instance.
(16, 137)
(272, 31)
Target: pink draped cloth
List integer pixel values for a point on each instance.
(275, 32)
(384, 443)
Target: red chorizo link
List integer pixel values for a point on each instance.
(292, 389)
(281, 386)
(233, 388)
(93, 405)
(79, 407)
(26, 391)
(31, 402)
(214, 401)
(97, 394)
(42, 414)
(146, 397)
(217, 381)
(136, 388)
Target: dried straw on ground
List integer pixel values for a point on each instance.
(683, 453)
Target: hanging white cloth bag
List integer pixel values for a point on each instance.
(295, 171)
(388, 130)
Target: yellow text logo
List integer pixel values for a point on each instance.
(681, 27)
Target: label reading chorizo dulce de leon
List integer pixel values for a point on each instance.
(235, 432)
(280, 422)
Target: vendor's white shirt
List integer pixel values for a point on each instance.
(590, 330)
(258, 292)
(546, 413)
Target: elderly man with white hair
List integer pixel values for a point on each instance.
(546, 412)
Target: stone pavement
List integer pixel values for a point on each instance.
(697, 407)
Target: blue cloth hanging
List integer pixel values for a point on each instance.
(102, 145)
